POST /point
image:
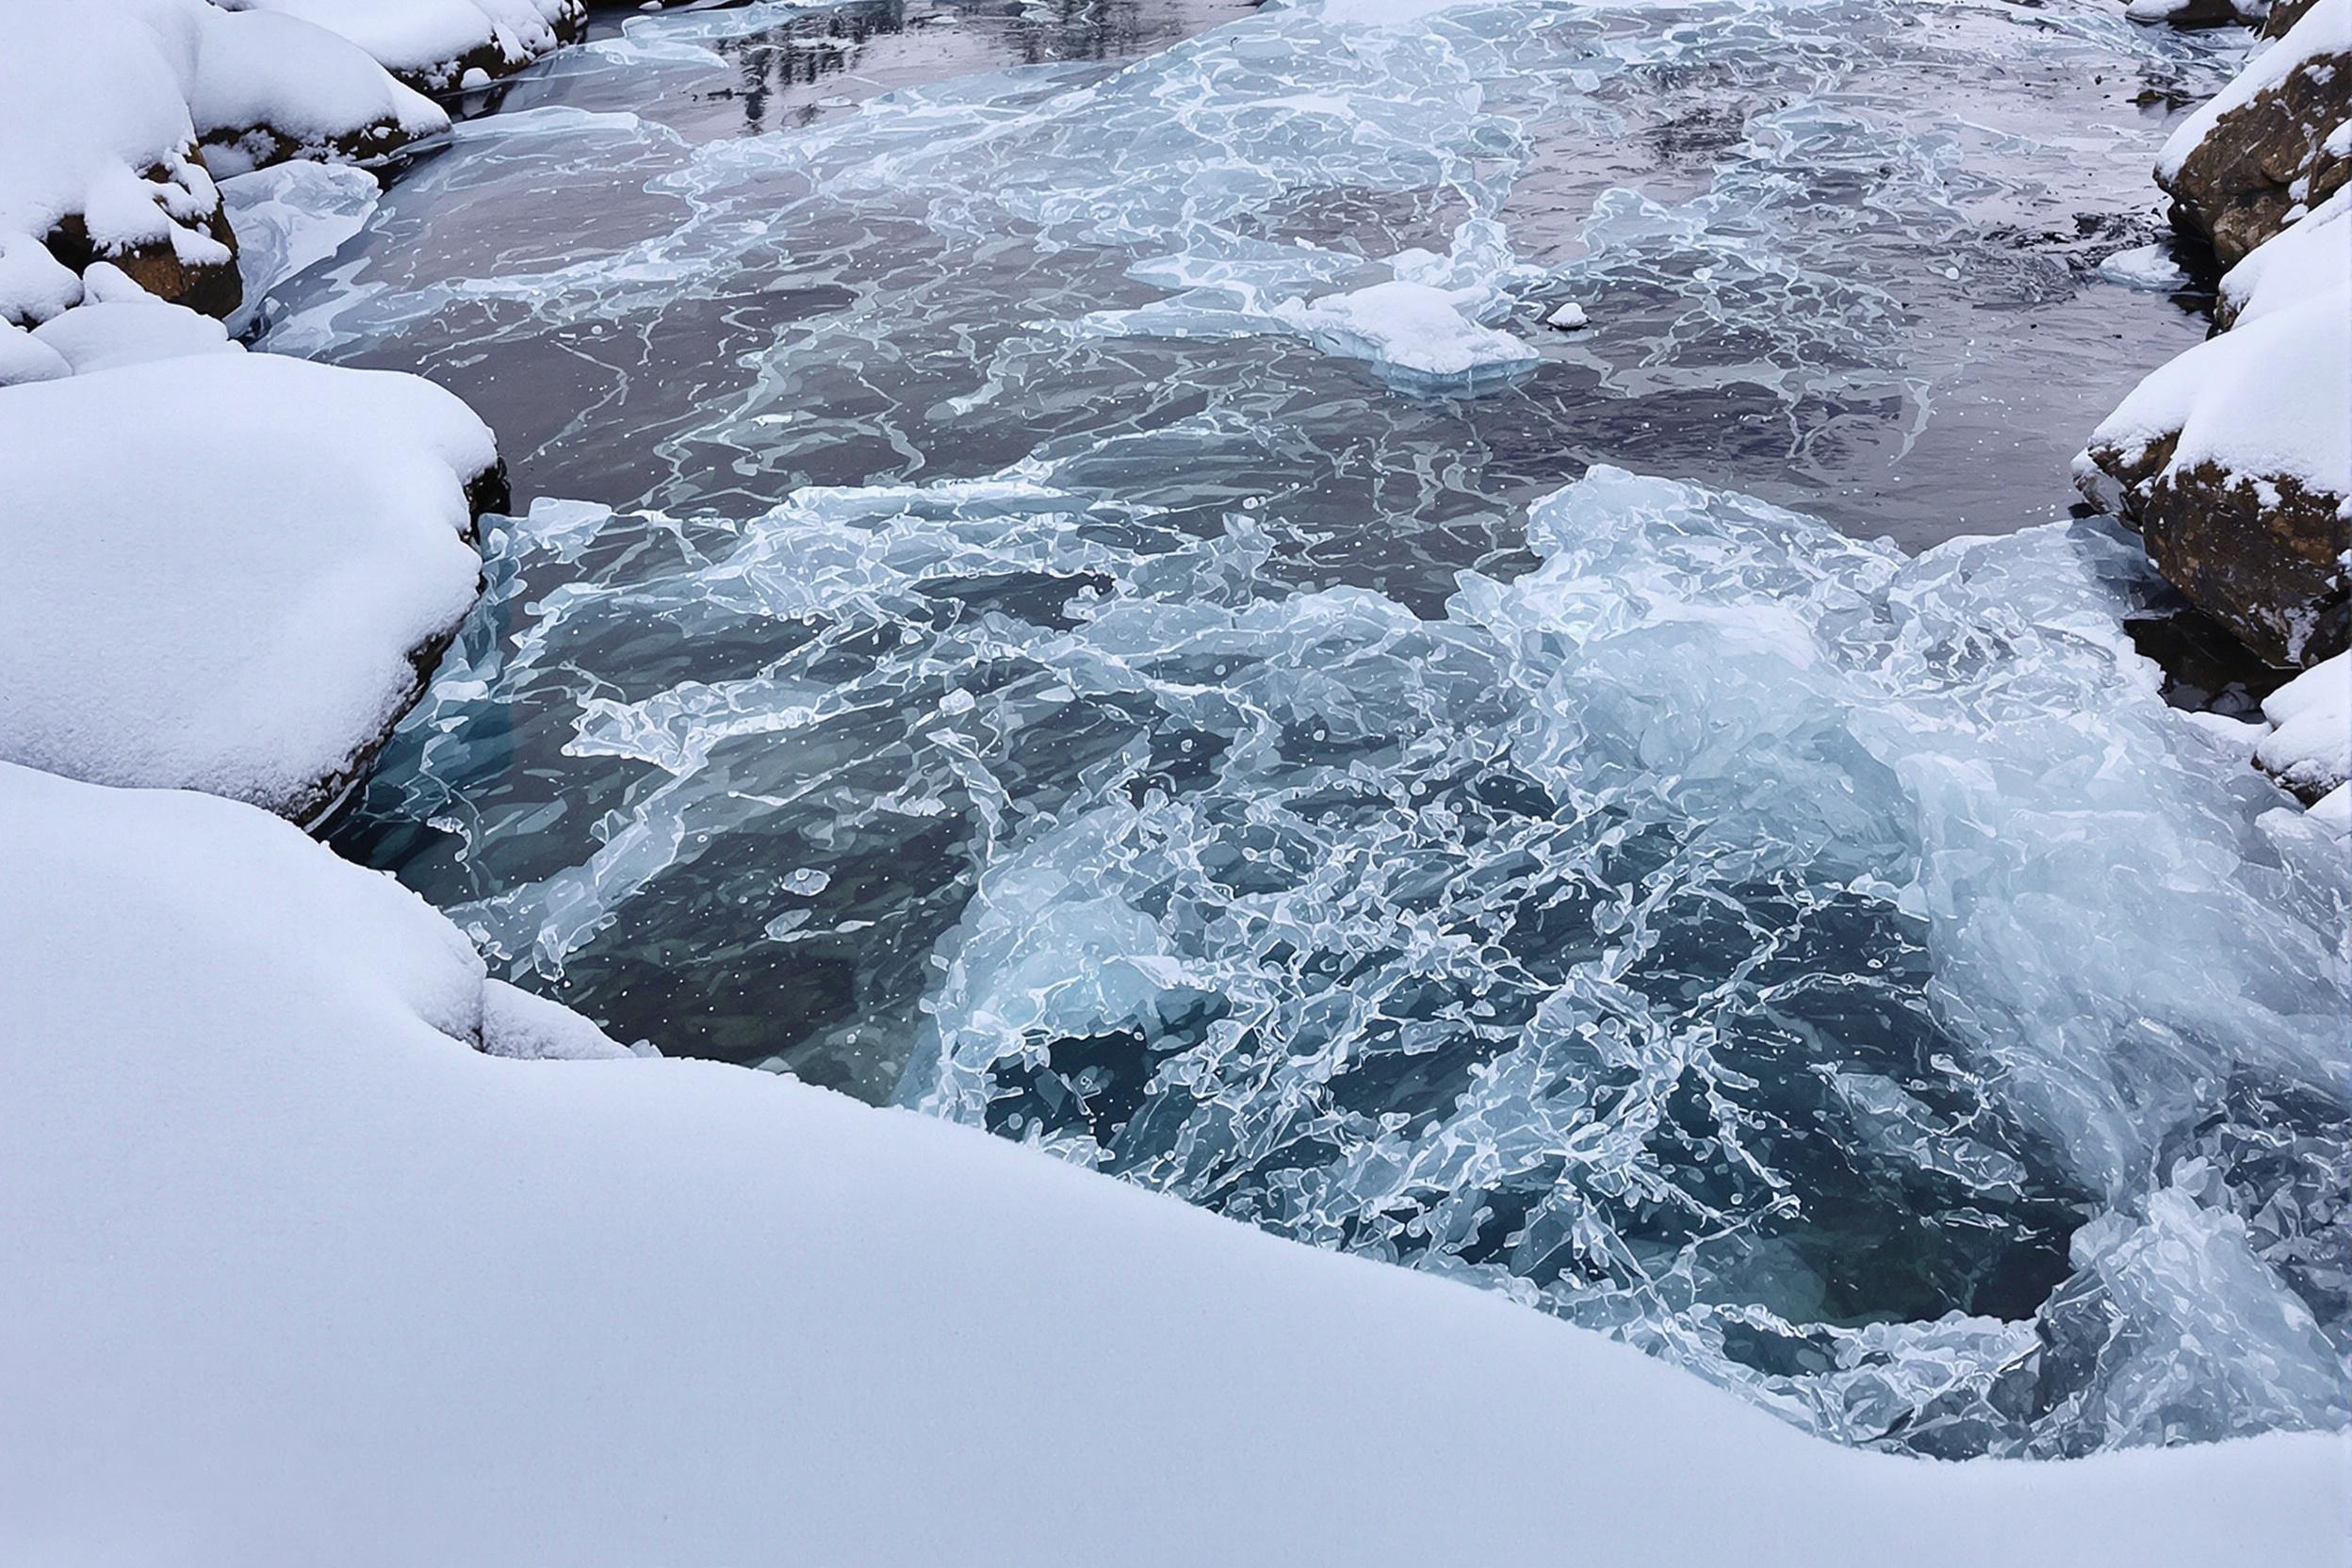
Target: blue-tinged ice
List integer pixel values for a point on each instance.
(1569, 943)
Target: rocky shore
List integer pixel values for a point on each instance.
(2234, 461)
(224, 571)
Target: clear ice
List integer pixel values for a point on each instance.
(1100, 634)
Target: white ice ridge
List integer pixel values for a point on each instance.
(225, 571)
(322, 1284)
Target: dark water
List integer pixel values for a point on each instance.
(985, 639)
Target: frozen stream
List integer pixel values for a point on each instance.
(1063, 589)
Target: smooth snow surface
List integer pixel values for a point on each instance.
(318, 1283)
(215, 569)
(99, 336)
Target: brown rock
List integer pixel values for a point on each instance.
(2284, 15)
(215, 290)
(2264, 158)
(2259, 555)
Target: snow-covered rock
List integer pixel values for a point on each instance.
(2309, 258)
(289, 218)
(298, 1276)
(2311, 751)
(228, 572)
(115, 114)
(2273, 144)
(2235, 459)
(438, 44)
(119, 323)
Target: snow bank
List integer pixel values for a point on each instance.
(119, 323)
(229, 571)
(436, 43)
(310, 1280)
(115, 114)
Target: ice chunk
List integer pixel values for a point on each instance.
(2145, 267)
(1411, 333)
(291, 217)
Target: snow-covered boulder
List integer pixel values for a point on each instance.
(115, 114)
(2235, 459)
(297, 1276)
(229, 572)
(441, 45)
(2310, 750)
(2273, 144)
(2311, 257)
(119, 323)
(24, 357)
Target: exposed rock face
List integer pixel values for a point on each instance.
(2283, 16)
(2277, 143)
(2190, 13)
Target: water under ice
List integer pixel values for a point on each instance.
(1062, 639)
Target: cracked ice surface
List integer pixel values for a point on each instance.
(1805, 227)
(1073, 653)
(1729, 935)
